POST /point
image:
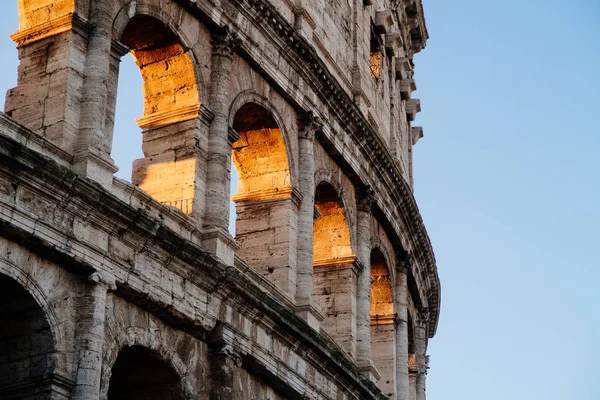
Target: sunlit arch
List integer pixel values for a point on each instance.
(260, 155)
(246, 97)
(382, 298)
(331, 229)
(170, 85)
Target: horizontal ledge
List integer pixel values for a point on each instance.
(163, 118)
(280, 193)
(345, 261)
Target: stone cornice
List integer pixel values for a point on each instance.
(269, 195)
(66, 23)
(168, 117)
(347, 261)
(301, 54)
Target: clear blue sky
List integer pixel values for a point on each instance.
(507, 182)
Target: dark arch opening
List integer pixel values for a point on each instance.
(26, 343)
(138, 374)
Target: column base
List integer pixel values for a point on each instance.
(370, 372)
(96, 168)
(311, 313)
(220, 243)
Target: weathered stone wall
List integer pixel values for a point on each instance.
(117, 274)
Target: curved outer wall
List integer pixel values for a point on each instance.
(328, 289)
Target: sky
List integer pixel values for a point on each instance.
(506, 179)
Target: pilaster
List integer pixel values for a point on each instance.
(401, 307)
(92, 147)
(309, 124)
(91, 313)
(364, 201)
(422, 360)
(223, 360)
(224, 43)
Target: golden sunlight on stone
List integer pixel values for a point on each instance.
(381, 292)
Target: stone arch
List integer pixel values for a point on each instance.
(266, 202)
(382, 298)
(383, 317)
(139, 8)
(141, 374)
(260, 155)
(332, 240)
(28, 341)
(171, 124)
(152, 341)
(251, 96)
(334, 268)
(335, 178)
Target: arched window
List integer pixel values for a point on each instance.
(169, 169)
(127, 138)
(383, 332)
(266, 202)
(26, 345)
(334, 273)
(139, 374)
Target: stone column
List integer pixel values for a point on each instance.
(223, 361)
(92, 149)
(420, 351)
(364, 201)
(309, 124)
(401, 304)
(216, 237)
(89, 330)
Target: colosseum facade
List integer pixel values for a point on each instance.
(136, 290)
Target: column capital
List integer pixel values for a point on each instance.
(422, 316)
(309, 124)
(365, 197)
(99, 278)
(225, 41)
(404, 261)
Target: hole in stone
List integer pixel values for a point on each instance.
(127, 139)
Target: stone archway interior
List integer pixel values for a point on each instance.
(170, 85)
(169, 170)
(138, 374)
(382, 303)
(265, 203)
(331, 232)
(260, 156)
(26, 343)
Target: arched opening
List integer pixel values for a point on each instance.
(334, 272)
(266, 202)
(127, 138)
(171, 131)
(138, 374)
(331, 232)
(383, 331)
(27, 351)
